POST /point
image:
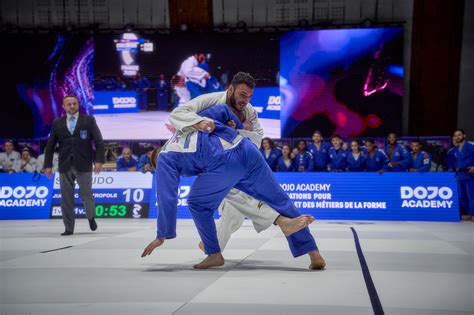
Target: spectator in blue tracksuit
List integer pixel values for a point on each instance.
(270, 153)
(356, 158)
(303, 159)
(464, 152)
(450, 159)
(141, 84)
(376, 160)
(285, 162)
(144, 164)
(221, 159)
(337, 155)
(320, 152)
(127, 162)
(162, 93)
(421, 160)
(399, 159)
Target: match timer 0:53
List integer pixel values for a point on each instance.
(122, 210)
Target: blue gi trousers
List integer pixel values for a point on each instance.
(242, 167)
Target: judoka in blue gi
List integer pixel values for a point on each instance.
(320, 152)
(337, 155)
(221, 159)
(356, 159)
(464, 152)
(399, 159)
(285, 162)
(376, 159)
(303, 159)
(270, 153)
(421, 160)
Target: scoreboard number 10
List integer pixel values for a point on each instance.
(136, 195)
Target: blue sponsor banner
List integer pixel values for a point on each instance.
(266, 101)
(24, 196)
(331, 196)
(114, 102)
(360, 196)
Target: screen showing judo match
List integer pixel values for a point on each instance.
(130, 82)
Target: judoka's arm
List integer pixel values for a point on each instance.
(185, 117)
(167, 183)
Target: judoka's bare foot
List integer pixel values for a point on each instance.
(289, 226)
(317, 261)
(214, 260)
(466, 217)
(201, 246)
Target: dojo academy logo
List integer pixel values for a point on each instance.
(23, 196)
(124, 102)
(274, 102)
(426, 197)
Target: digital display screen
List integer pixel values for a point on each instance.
(342, 81)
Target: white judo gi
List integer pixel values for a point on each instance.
(237, 205)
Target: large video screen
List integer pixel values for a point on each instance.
(39, 70)
(344, 81)
(139, 79)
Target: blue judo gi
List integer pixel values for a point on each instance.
(320, 157)
(219, 167)
(465, 159)
(337, 160)
(358, 165)
(304, 162)
(377, 162)
(422, 162)
(272, 159)
(450, 160)
(399, 154)
(281, 166)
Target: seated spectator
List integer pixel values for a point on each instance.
(421, 160)
(399, 158)
(356, 159)
(27, 163)
(8, 158)
(337, 155)
(126, 162)
(270, 153)
(285, 162)
(319, 150)
(303, 159)
(144, 164)
(40, 162)
(376, 160)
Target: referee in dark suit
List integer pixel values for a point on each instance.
(75, 134)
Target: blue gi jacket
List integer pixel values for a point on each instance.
(337, 160)
(465, 159)
(450, 160)
(304, 162)
(272, 159)
(320, 157)
(376, 163)
(354, 165)
(422, 162)
(281, 166)
(399, 154)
